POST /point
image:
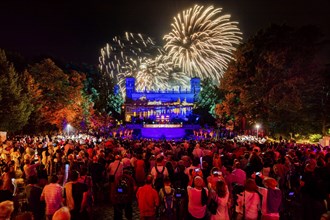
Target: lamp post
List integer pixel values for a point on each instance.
(257, 126)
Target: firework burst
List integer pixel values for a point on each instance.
(200, 45)
(126, 56)
(138, 56)
(202, 41)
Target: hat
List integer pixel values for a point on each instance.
(198, 181)
(270, 182)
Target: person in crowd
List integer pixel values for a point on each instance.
(7, 176)
(239, 174)
(30, 169)
(85, 179)
(197, 199)
(123, 194)
(217, 161)
(97, 173)
(271, 199)
(5, 194)
(197, 152)
(248, 203)
(193, 167)
(75, 197)
(33, 193)
(140, 168)
(148, 200)
(52, 195)
(222, 197)
(62, 214)
(167, 200)
(180, 179)
(6, 209)
(159, 172)
(213, 178)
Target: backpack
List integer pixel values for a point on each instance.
(159, 179)
(274, 199)
(122, 190)
(168, 208)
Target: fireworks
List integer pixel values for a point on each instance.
(202, 41)
(200, 45)
(126, 56)
(138, 56)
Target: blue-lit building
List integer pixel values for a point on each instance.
(160, 106)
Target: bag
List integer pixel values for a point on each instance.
(168, 209)
(274, 200)
(122, 190)
(112, 177)
(212, 204)
(159, 181)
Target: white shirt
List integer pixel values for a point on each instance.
(195, 207)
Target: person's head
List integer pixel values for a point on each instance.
(237, 165)
(62, 214)
(74, 175)
(27, 161)
(250, 185)
(198, 182)
(221, 188)
(6, 208)
(159, 160)
(149, 179)
(215, 171)
(54, 179)
(196, 162)
(270, 182)
(167, 181)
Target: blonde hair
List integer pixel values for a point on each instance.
(62, 214)
(6, 208)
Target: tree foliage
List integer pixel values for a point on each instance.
(209, 96)
(100, 89)
(61, 99)
(276, 80)
(15, 104)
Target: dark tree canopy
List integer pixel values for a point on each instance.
(15, 103)
(277, 80)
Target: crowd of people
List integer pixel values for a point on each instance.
(65, 177)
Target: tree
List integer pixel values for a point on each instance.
(271, 79)
(15, 104)
(61, 98)
(209, 96)
(100, 89)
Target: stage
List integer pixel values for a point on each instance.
(164, 131)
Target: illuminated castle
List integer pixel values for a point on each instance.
(160, 106)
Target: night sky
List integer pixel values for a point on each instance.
(75, 31)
